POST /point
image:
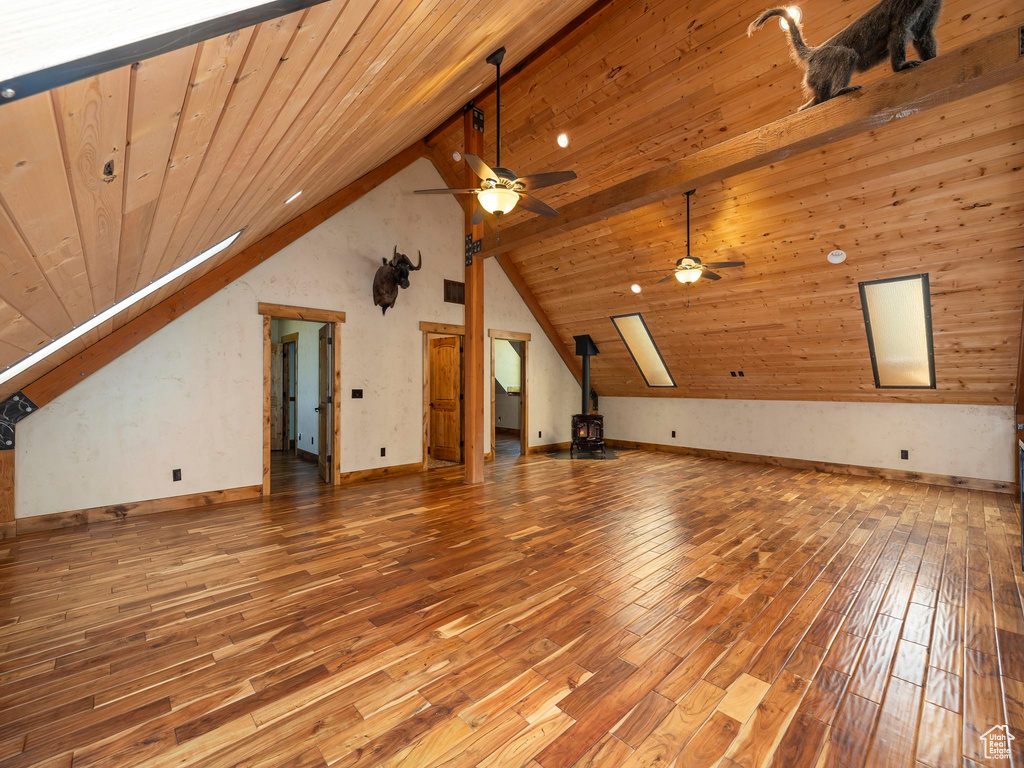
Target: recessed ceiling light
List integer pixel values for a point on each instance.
(794, 13)
(79, 331)
(563, 140)
(293, 197)
(837, 257)
(635, 288)
(456, 156)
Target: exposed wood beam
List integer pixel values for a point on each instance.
(473, 348)
(979, 66)
(44, 389)
(6, 491)
(516, 279)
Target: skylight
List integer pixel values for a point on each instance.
(638, 340)
(102, 317)
(898, 320)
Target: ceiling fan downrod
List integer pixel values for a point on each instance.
(495, 59)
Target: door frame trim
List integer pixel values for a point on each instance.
(524, 390)
(335, 318)
(436, 330)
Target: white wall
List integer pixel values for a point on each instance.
(964, 440)
(508, 366)
(191, 395)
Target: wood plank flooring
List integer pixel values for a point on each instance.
(650, 611)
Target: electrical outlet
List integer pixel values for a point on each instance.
(904, 454)
(176, 475)
(741, 374)
(499, 419)
(733, 374)
(673, 433)
(300, 435)
(357, 394)
(381, 451)
(540, 434)
(310, 439)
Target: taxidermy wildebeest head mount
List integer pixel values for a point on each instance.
(390, 277)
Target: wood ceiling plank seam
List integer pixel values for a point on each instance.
(183, 120)
(328, 163)
(271, 41)
(155, 84)
(40, 229)
(25, 287)
(306, 41)
(310, 39)
(326, 143)
(552, 52)
(19, 332)
(208, 95)
(91, 117)
(328, 102)
(327, 54)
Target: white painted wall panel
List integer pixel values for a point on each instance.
(965, 440)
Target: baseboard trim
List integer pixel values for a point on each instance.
(951, 481)
(78, 517)
(548, 448)
(307, 456)
(347, 478)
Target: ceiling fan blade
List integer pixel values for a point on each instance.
(531, 203)
(479, 214)
(464, 191)
(538, 180)
(724, 264)
(711, 275)
(655, 271)
(667, 277)
(480, 168)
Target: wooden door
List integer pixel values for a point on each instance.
(324, 409)
(445, 397)
(276, 398)
(286, 394)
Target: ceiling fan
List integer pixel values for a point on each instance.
(690, 269)
(500, 189)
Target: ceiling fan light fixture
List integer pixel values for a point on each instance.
(498, 199)
(688, 275)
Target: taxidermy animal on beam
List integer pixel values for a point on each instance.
(390, 277)
(883, 31)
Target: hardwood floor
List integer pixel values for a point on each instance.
(652, 611)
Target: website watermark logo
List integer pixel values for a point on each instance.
(997, 742)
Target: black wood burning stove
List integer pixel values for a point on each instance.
(587, 427)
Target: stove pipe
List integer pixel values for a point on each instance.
(585, 347)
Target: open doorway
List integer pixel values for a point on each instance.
(302, 371)
(443, 385)
(509, 394)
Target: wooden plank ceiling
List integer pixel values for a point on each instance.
(111, 182)
(641, 83)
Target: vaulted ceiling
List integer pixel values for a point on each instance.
(110, 182)
(642, 83)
